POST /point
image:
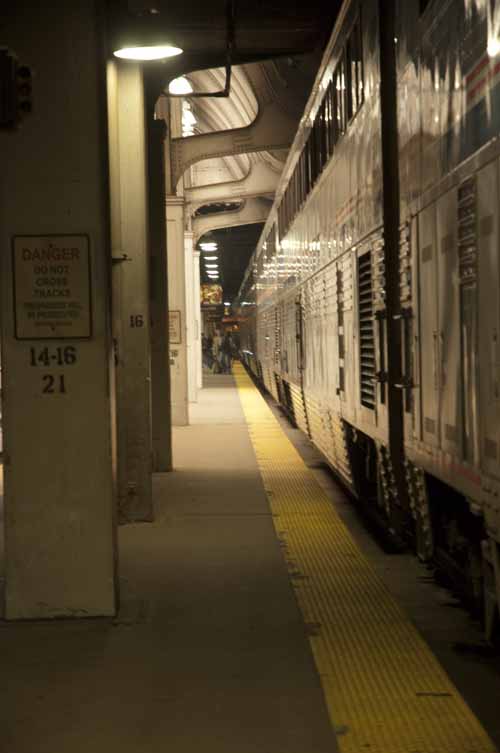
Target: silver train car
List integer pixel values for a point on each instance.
(371, 306)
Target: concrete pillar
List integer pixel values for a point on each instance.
(197, 315)
(190, 320)
(59, 517)
(160, 364)
(131, 315)
(177, 310)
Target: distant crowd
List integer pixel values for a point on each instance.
(219, 351)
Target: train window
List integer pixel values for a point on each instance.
(293, 199)
(324, 126)
(354, 72)
(281, 228)
(329, 117)
(308, 165)
(302, 176)
(313, 138)
(343, 98)
(339, 83)
(351, 94)
(318, 147)
(318, 143)
(357, 73)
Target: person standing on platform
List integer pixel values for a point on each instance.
(217, 352)
(226, 348)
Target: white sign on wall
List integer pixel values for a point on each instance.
(52, 287)
(174, 322)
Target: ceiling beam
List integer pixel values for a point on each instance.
(272, 129)
(261, 180)
(252, 211)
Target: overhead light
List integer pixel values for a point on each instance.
(180, 86)
(150, 52)
(209, 246)
(210, 258)
(188, 119)
(227, 303)
(493, 47)
(212, 266)
(141, 35)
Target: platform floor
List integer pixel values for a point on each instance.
(210, 652)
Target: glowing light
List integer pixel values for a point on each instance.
(227, 303)
(493, 47)
(210, 258)
(188, 119)
(209, 246)
(180, 86)
(153, 52)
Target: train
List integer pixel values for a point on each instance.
(370, 309)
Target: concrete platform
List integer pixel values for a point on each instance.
(209, 652)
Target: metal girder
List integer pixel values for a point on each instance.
(252, 211)
(262, 179)
(271, 129)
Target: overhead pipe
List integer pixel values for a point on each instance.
(230, 13)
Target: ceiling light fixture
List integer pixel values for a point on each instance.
(209, 246)
(180, 86)
(210, 258)
(141, 36)
(148, 52)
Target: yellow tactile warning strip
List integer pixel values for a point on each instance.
(385, 691)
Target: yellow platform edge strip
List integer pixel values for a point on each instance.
(385, 691)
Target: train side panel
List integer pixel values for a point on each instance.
(449, 126)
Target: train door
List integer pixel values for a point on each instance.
(290, 365)
(341, 349)
(415, 425)
(429, 329)
(489, 317)
(449, 348)
(408, 259)
(277, 349)
(379, 275)
(300, 336)
(467, 259)
(332, 336)
(348, 383)
(283, 363)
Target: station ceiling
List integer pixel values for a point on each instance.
(284, 37)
